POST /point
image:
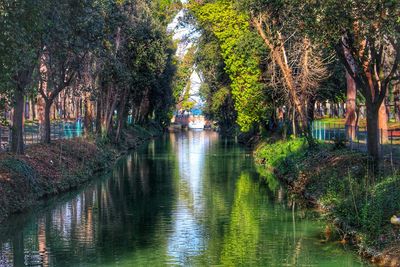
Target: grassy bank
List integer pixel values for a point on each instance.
(362, 123)
(49, 169)
(344, 188)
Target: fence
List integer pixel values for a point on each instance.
(356, 138)
(31, 135)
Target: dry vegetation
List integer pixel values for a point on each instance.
(47, 170)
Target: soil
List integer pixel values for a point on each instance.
(47, 169)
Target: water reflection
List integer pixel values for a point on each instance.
(187, 199)
(188, 237)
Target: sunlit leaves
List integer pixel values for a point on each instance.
(232, 30)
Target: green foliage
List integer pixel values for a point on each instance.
(281, 154)
(139, 60)
(334, 87)
(166, 9)
(282, 158)
(362, 207)
(65, 52)
(339, 182)
(382, 204)
(21, 26)
(239, 49)
(216, 89)
(365, 36)
(88, 47)
(219, 98)
(181, 81)
(164, 99)
(326, 21)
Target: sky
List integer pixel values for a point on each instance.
(186, 35)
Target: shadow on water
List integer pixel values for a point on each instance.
(188, 198)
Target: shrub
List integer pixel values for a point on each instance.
(383, 203)
(281, 158)
(21, 170)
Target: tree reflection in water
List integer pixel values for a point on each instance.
(190, 198)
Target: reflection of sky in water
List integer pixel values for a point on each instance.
(62, 220)
(187, 238)
(191, 163)
(6, 254)
(198, 219)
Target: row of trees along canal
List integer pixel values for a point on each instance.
(260, 55)
(100, 56)
(254, 56)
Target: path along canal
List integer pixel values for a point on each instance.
(186, 199)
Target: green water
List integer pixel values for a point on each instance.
(187, 199)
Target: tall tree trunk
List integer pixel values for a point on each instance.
(41, 110)
(54, 111)
(396, 109)
(373, 133)
(121, 115)
(27, 115)
(88, 118)
(109, 117)
(383, 124)
(311, 109)
(65, 106)
(17, 139)
(79, 108)
(99, 113)
(373, 86)
(278, 53)
(47, 123)
(294, 123)
(18, 249)
(33, 109)
(351, 117)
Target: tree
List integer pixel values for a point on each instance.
(165, 10)
(216, 88)
(74, 54)
(20, 28)
(136, 69)
(63, 52)
(145, 58)
(240, 49)
(365, 36)
(297, 66)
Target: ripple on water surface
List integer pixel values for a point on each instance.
(186, 199)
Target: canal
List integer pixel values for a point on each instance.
(186, 199)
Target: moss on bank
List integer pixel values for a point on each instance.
(342, 185)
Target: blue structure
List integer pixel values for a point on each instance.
(196, 112)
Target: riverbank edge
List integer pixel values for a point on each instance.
(295, 167)
(47, 170)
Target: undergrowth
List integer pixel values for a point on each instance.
(47, 169)
(341, 182)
